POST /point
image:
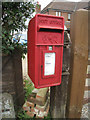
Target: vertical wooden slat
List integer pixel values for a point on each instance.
(17, 65)
(58, 94)
(79, 59)
(58, 97)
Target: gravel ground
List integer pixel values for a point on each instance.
(86, 111)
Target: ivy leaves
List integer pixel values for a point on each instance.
(14, 16)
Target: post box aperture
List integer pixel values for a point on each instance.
(45, 50)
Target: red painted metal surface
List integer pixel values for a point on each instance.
(45, 31)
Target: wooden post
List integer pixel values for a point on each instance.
(79, 59)
(58, 98)
(89, 30)
(58, 94)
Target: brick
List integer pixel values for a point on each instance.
(39, 117)
(29, 104)
(25, 108)
(34, 101)
(40, 114)
(36, 111)
(42, 92)
(30, 114)
(35, 91)
(42, 108)
(32, 95)
(47, 110)
(42, 95)
(32, 110)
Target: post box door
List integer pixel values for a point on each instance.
(49, 64)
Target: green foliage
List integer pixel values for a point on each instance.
(37, 6)
(28, 88)
(48, 117)
(14, 16)
(22, 115)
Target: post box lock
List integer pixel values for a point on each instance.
(45, 50)
(41, 66)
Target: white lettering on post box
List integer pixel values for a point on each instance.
(49, 68)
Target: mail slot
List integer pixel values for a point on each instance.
(45, 50)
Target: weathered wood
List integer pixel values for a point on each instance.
(88, 62)
(58, 94)
(12, 81)
(89, 31)
(58, 97)
(17, 65)
(79, 59)
(7, 75)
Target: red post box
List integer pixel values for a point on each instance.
(45, 50)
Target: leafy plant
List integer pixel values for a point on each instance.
(14, 16)
(28, 88)
(48, 117)
(22, 115)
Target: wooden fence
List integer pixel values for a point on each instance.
(67, 99)
(58, 94)
(87, 85)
